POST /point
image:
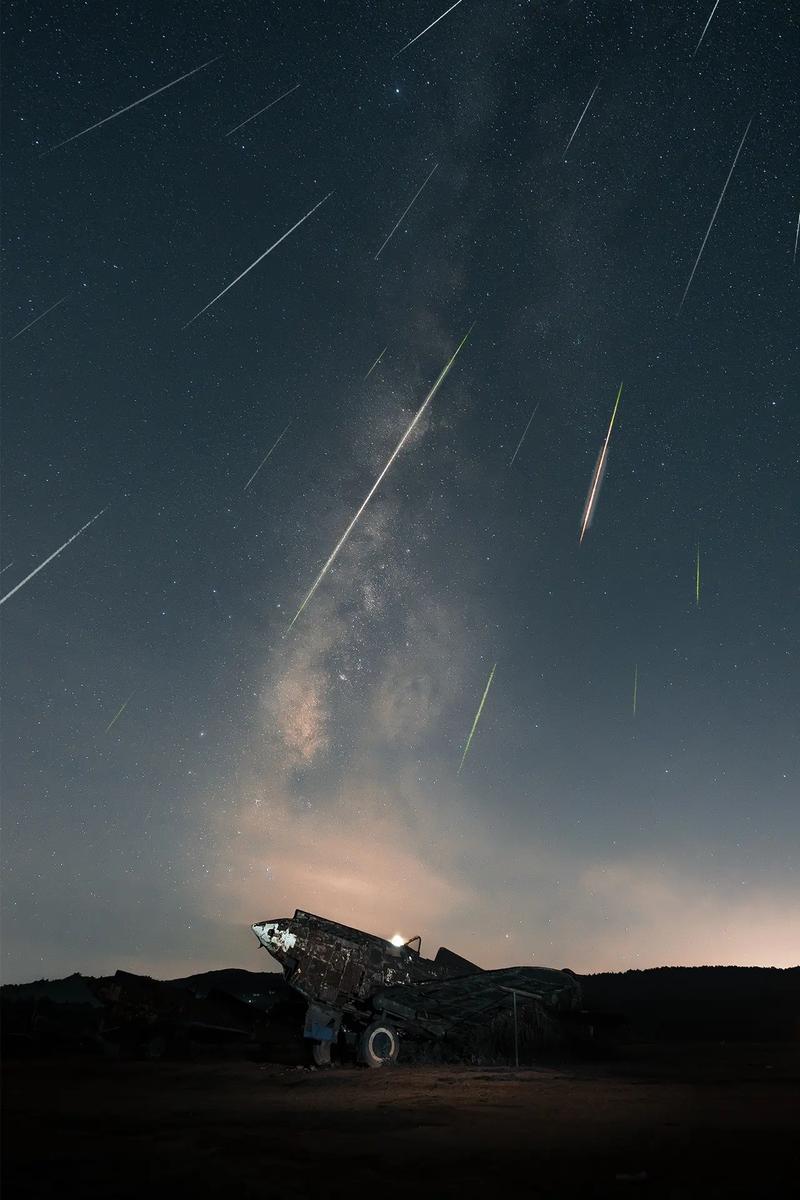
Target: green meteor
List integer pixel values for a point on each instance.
(477, 718)
(635, 686)
(114, 720)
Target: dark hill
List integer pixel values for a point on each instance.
(664, 1004)
(701, 1003)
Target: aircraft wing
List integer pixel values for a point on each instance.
(437, 1004)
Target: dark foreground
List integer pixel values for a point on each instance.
(666, 1121)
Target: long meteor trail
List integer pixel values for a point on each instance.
(247, 270)
(266, 456)
(477, 718)
(128, 107)
(115, 718)
(374, 365)
(599, 472)
(55, 554)
(408, 210)
(697, 578)
(580, 118)
(525, 430)
(427, 27)
(262, 110)
(44, 314)
(332, 558)
(635, 687)
(705, 27)
(714, 217)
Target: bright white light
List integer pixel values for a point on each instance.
(398, 940)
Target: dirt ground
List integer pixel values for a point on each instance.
(677, 1122)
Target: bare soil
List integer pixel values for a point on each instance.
(661, 1121)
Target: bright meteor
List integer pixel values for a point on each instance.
(266, 456)
(379, 480)
(477, 717)
(705, 27)
(263, 110)
(599, 472)
(247, 270)
(525, 430)
(427, 27)
(55, 554)
(406, 211)
(115, 718)
(714, 216)
(374, 365)
(41, 317)
(580, 119)
(128, 107)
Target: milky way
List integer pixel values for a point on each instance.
(630, 793)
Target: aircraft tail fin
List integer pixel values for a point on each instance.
(454, 963)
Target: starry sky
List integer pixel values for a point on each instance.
(178, 762)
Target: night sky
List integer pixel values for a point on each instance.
(253, 768)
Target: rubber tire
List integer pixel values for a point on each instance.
(372, 1048)
(155, 1048)
(321, 1054)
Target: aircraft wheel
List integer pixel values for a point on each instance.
(321, 1053)
(378, 1045)
(155, 1048)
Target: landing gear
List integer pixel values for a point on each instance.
(378, 1045)
(322, 1027)
(321, 1054)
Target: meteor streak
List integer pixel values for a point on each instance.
(697, 578)
(525, 430)
(262, 110)
(796, 236)
(635, 686)
(408, 210)
(374, 365)
(114, 720)
(266, 456)
(427, 27)
(61, 301)
(477, 717)
(378, 481)
(580, 118)
(247, 270)
(599, 471)
(705, 27)
(128, 107)
(55, 554)
(714, 217)
(5, 568)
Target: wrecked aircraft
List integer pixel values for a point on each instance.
(368, 992)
